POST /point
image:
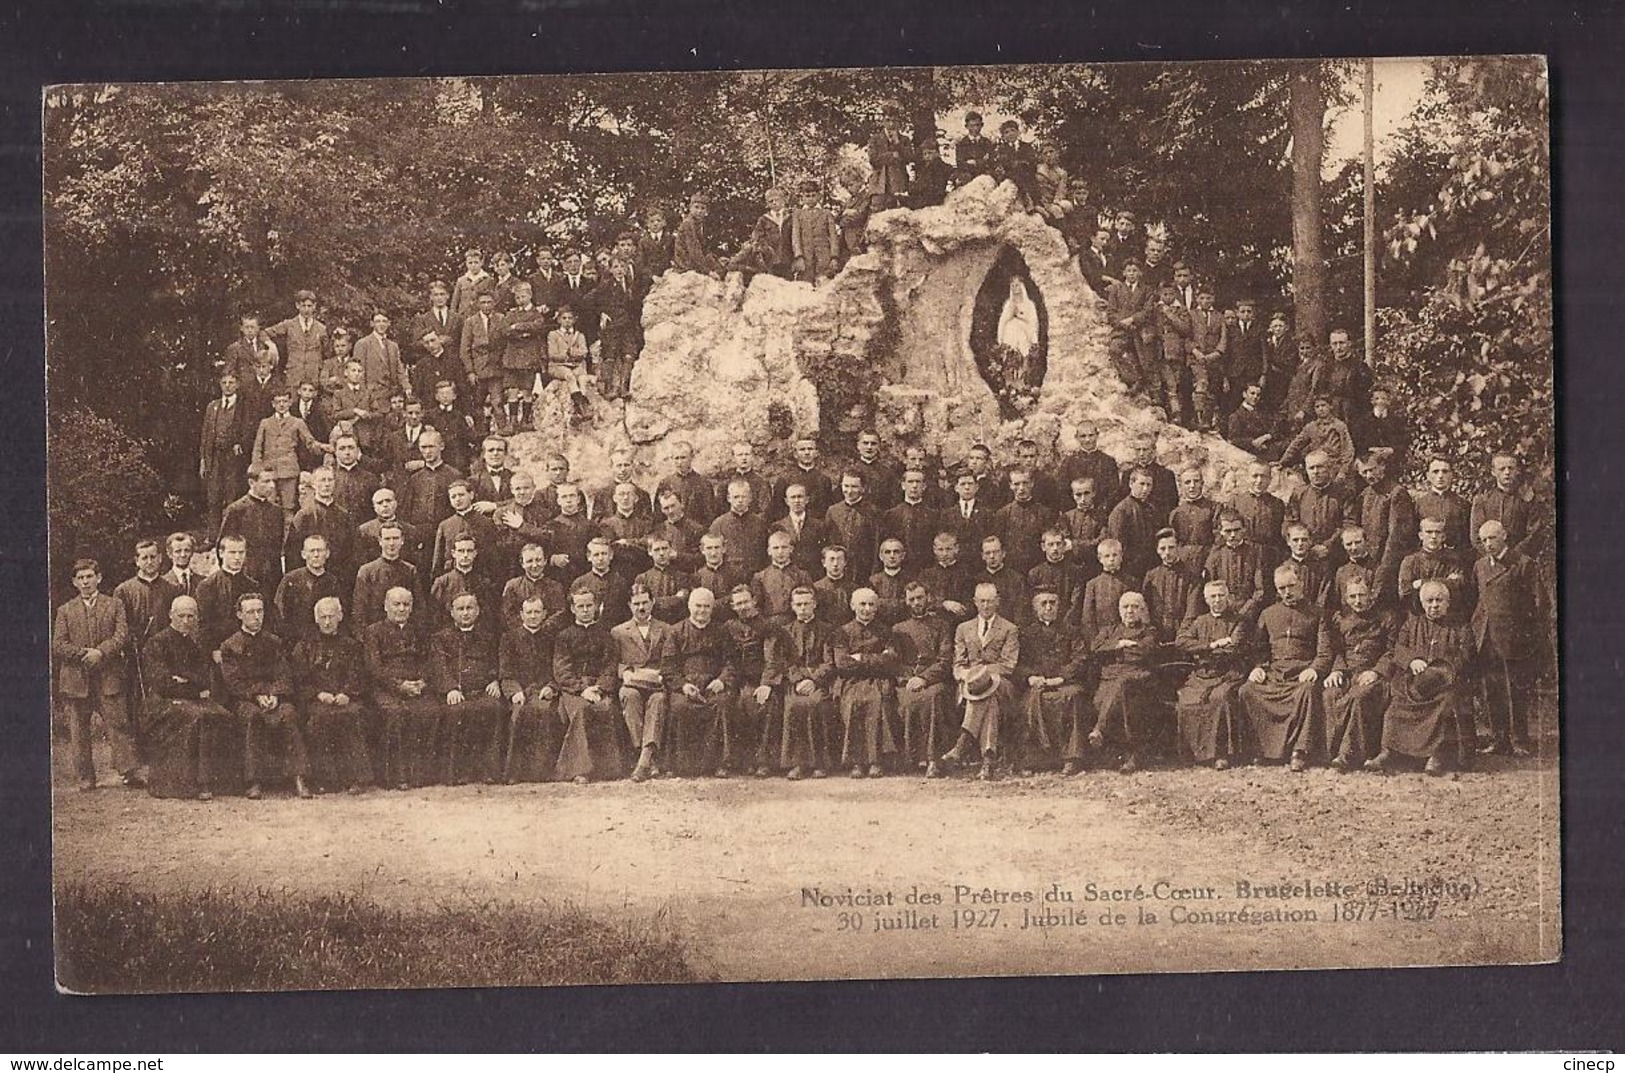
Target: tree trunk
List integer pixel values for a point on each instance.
(1307, 113)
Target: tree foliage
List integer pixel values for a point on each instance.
(103, 491)
(1472, 234)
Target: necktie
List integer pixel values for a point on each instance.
(441, 314)
(225, 404)
(981, 628)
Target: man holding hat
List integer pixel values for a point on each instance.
(986, 651)
(1424, 685)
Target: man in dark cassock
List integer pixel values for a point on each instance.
(612, 588)
(1387, 515)
(866, 661)
(301, 589)
(1020, 523)
(694, 489)
(1101, 596)
(1433, 562)
(743, 531)
(1512, 503)
(217, 594)
(949, 579)
(640, 644)
(1240, 564)
(754, 740)
(1281, 698)
(803, 651)
(1194, 521)
(890, 581)
(330, 684)
(324, 517)
(1011, 583)
(1128, 713)
(585, 660)
(913, 520)
(835, 588)
(851, 523)
(414, 543)
(258, 519)
(525, 663)
(389, 571)
(773, 583)
(254, 665)
(667, 585)
(1085, 526)
(684, 533)
(700, 680)
(1312, 572)
(1356, 694)
(1426, 685)
(1134, 524)
(1262, 513)
(463, 676)
(403, 738)
(715, 574)
(534, 584)
(1059, 574)
(1216, 641)
(1172, 590)
(193, 741)
(925, 655)
(1051, 668)
(1319, 507)
(1440, 500)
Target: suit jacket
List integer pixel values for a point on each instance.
(277, 445)
(1510, 618)
(479, 347)
(523, 336)
(1137, 305)
(655, 254)
(426, 321)
(302, 349)
(888, 159)
(381, 364)
(690, 251)
(240, 359)
(999, 652)
(1244, 353)
(633, 652)
(1095, 266)
(255, 398)
(104, 627)
(465, 292)
(227, 438)
(1208, 335)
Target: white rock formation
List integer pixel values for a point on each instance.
(720, 360)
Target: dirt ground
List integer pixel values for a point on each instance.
(767, 879)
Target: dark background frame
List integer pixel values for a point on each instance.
(1573, 1004)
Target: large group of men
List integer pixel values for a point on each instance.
(393, 604)
(416, 623)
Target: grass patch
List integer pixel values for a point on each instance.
(110, 938)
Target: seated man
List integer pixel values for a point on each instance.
(865, 664)
(804, 650)
(463, 674)
(699, 675)
(757, 739)
(190, 737)
(330, 682)
(525, 663)
(640, 644)
(1051, 668)
(1128, 710)
(1361, 637)
(254, 665)
(403, 736)
(1427, 691)
(1206, 703)
(986, 650)
(925, 656)
(584, 665)
(1281, 697)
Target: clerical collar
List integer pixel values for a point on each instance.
(313, 572)
(250, 633)
(230, 573)
(432, 465)
(532, 630)
(148, 578)
(324, 502)
(465, 629)
(463, 570)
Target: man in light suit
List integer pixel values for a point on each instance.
(481, 352)
(1506, 637)
(380, 358)
(641, 642)
(986, 651)
(304, 341)
(438, 318)
(88, 640)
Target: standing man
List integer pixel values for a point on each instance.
(304, 341)
(223, 450)
(380, 358)
(258, 519)
(1506, 626)
(88, 640)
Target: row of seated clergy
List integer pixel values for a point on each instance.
(746, 695)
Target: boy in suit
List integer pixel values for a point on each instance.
(276, 447)
(480, 349)
(815, 241)
(303, 339)
(474, 282)
(438, 318)
(690, 251)
(88, 640)
(246, 353)
(655, 246)
(380, 358)
(971, 152)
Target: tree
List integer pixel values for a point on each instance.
(1475, 345)
(1307, 117)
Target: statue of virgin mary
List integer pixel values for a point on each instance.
(1018, 320)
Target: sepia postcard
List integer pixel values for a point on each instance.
(802, 524)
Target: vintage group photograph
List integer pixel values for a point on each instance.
(802, 524)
